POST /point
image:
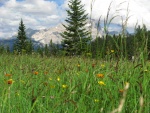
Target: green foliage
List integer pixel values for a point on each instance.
(53, 48)
(2, 49)
(48, 50)
(40, 51)
(29, 47)
(124, 46)
(76, 37)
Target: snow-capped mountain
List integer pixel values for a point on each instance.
(53, 33)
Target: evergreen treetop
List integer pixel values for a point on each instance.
(75, 37)
(22, 43)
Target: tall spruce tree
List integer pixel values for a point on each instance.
(21, 41)
(75, 37)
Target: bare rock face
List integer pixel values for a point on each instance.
(44, 36)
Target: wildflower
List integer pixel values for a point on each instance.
(93, 65)
(50, 79)
(78, 67)
(8, 75)
(10, 81)
(121, 91)
(100, 75)
(58, 78)
(35, 73)
(112, 51)
(96, 100)
(101, 83)
(102, 65)
(45, 72)
(64, 86)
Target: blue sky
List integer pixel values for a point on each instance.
(59, 2)
(43, 14)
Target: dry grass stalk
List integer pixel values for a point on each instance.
(141, 103)
(122, 101)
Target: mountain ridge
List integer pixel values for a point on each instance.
(43, 37)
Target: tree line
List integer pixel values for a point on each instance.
(77, 40)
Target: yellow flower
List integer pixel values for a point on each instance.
(78, 65)
(64, 86)
(58, 78)
(101, 83)
(102, 65)
(112, 51)
(100, 75)
(96, 100)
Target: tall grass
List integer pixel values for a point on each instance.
(72, 85)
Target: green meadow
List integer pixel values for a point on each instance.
(35, 84)
(102, 77)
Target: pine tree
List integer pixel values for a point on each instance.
(75, 37)
(46, 50)
(29, 46)
(21, 41)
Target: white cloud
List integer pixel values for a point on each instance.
(39, 14)
(139, 10)
(36, 14)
